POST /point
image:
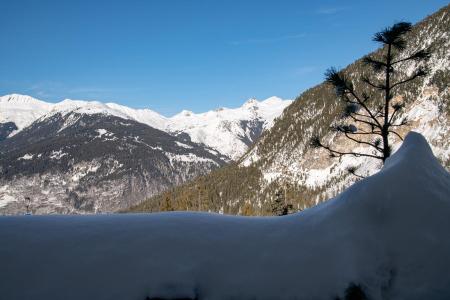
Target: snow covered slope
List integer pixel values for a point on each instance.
(388, 233)
(229, 131)
(21, 110)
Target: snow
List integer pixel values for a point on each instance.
(388, 232)
(22, 110)
(188, 158)
(103, 132)
(57, 154)
(6, 199)
(183, 145)
(26, 157)
(220, 129)
(82, 169)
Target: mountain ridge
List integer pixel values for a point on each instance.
(202, 127)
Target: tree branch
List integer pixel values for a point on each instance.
(376, 86)
(364, 143)
(339, 153)
(418, 74)
(363, 121)
(366, 109)
(365, 133)
(397, 108)
(421, 54)
(398, 135)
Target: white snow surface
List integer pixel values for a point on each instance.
(389, 232)
(22, 110)
(219, 129)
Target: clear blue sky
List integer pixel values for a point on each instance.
(186, 54)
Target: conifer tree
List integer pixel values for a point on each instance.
(279, 206)
(368, 119)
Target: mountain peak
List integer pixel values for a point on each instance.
(19, 99)
(272, 100)
(184, 113)
(251, 102)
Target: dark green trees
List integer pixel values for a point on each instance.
(371, 116)
(279, 206)
(354, 292)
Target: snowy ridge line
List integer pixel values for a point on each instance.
(227, 130)
(388, 233)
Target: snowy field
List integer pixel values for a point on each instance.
(389, 233)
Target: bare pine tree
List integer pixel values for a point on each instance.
(365, 117)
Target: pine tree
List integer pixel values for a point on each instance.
(279, 206)
(367, 121)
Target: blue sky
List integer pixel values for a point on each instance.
(170, 55)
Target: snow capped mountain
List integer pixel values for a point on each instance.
(22, 110)
(387, 233)
(229, 131)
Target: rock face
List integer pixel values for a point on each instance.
(387, 233)
(283, 159)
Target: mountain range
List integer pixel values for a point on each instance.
(85, 156)
(282, 163)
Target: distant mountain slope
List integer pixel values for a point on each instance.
(229, 131)
(283, 160)
(81, 163)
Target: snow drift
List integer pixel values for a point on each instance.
(389, 233)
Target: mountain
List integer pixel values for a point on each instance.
(229, 131)
(19, 111)
(387, 234)
(86, 156)
(283, 160)
(78, 163)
